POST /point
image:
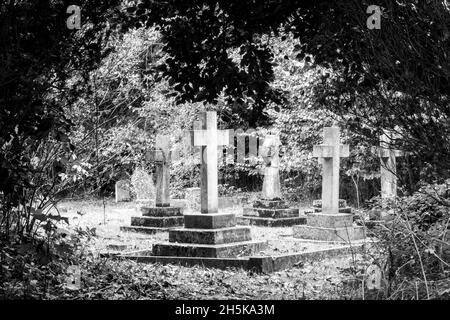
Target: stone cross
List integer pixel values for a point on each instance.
(329, 154)
(388, 168)
(209, 138)
(162, 157)
(270, 154)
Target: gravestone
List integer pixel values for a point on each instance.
(162, 216)
(209, 233)
(122, 191)
(388, 167)
(330, 225)
(271, 210)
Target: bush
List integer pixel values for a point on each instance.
(416, 240)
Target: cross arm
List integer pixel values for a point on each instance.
(323, 151)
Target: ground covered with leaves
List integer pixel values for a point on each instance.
(40, 270)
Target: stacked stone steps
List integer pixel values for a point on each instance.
(329, 227)
(343, 207)
(271, 213)
(156, 219)
(209, 235)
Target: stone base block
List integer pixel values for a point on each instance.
(145, 230)
(338, 220)
(160, 222)
(341, 210)
(270, 222)
(318, 203)
(161, 211)
(209, 220)
(228, 202)
(270, 204)
(271, 212)
(227, 250)
(329, 234)
(210, 236)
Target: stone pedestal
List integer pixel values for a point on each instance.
(271, 213)
(329, 227)
(212, 235)
(343, 208)
(192, 196)
(156, 219)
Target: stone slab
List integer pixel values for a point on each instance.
(263, 264)
(321, 220)
(227, 250)
(329, 234)
(145, 230)
(209, 220)
(210, 236)
(161, 211)
(341, 210)
(271, 213)
(227, 202)
(318, 203)
(263, 203)
(270, 222)
(160, 222)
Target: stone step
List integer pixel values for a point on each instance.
(341, 210)
(144, 230)
(271, 213)
(160, 222)
(270, 204)
(339, 220)
(318, 203)
(227, 250)
(209, 220)
(269, 222)
(210, 236)
(161, 211)
(346, 235)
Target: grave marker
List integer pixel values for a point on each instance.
(388, 167)
(271, 210)
(208, 139)
(162, 217)
(330, 224)
(330, 153)
(209, 233)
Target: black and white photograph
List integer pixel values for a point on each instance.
(223, 157)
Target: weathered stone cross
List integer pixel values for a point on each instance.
(330, 153)
(162, 157)
(388, 168)
(209, 138)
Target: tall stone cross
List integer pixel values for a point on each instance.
(161, 155)
(209, 139)
(388, 168)
(329, 154)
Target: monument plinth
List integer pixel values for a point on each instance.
(330, 224)
(209, 233)
(343, 207)
(271, 210)
(162, 216)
